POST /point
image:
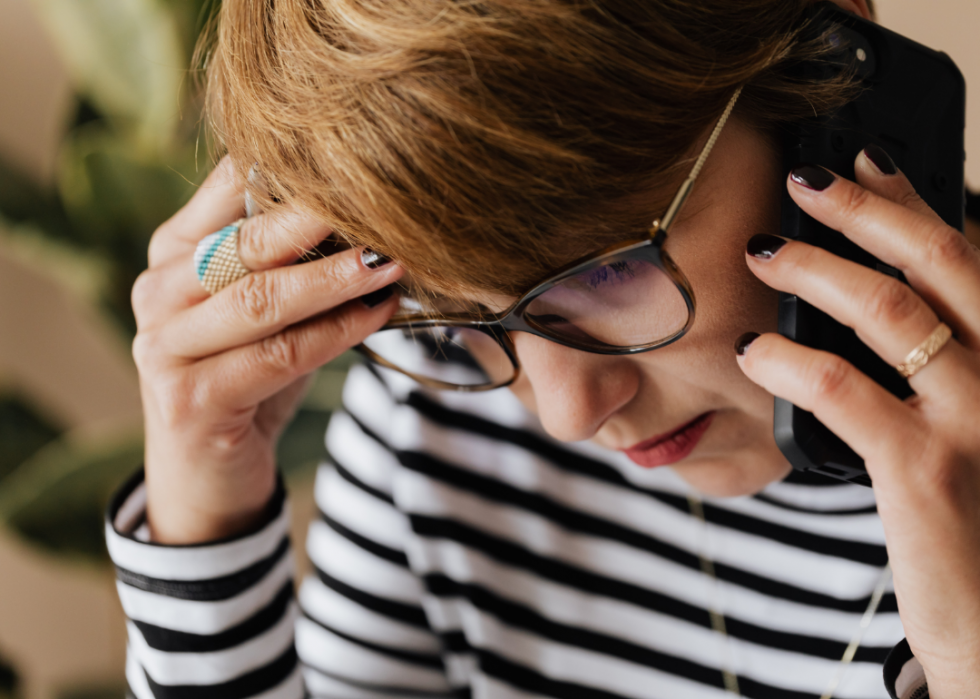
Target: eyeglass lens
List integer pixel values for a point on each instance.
(630, 303)
(453, 355)
(623, 304)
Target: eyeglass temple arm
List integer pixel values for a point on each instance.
(664, 223)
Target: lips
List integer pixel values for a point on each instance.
(672, 447)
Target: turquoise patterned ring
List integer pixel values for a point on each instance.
(216, 259)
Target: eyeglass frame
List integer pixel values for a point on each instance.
(649, 248)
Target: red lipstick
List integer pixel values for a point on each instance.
(671, 447)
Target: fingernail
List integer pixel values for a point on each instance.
(880, 159)
(378, 296)
(372, 259)
(764, 246)
(742, 343)
(813, 177)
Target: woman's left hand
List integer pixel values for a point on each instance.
(923, 453)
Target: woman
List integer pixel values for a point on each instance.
(520, 542)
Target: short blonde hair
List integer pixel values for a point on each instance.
(483, 142)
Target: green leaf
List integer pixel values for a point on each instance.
(22, 433)
(126, 57)
(325, 393)
(301, 447)
(191, 16)
(57, 497)
(115, 200)
(84, 273)
(23, 200)
(112, 194)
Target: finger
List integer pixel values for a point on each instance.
(248, 375)
(217, 202)
(936, 259)
(886, 314)
(264, 303)
(162, 291)
(878, 173)
(873, 422)
(266, 241)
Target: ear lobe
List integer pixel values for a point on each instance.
(862, 8)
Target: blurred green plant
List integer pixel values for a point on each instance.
(8, 681)
(131, 155)
(135, 149)
(22, 433)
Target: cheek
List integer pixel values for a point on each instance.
(730, 299)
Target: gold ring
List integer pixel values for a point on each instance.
(216, 259)
(921, 355)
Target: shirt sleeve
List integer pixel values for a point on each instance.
(210, 620)
(364, 633)
(904, 676)
(219, 620)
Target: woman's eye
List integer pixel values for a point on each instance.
(616, 272)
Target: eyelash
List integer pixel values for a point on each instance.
(620, 270)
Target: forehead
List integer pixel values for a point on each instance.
(494, 272)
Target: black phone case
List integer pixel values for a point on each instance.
(913, 106)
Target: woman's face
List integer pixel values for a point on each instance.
(620, 402)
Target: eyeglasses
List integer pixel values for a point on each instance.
(625, 299)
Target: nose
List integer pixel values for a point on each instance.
(573, 392)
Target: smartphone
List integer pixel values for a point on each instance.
(912, 104)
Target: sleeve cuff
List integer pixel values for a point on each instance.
(904, 676)
(137, 558)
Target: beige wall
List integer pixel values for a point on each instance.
(34, 96)
(952, 26)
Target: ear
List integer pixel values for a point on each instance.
(862, 8)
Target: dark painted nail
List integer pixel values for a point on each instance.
(742, 343)
(378, 296)
(372, 259)
(764, 246)
(813, 177)
(880, 159)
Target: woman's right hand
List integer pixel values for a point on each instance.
(222, 375)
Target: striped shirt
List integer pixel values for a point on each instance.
(461, 551)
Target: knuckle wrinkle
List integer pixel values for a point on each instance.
(892, 302)
(830, 379)
(854, 200)
(946, 247)
(253, 244)
(256, 299)
(279, 353)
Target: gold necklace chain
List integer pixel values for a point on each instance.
(718, 619)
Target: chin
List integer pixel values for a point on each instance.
(733, 475)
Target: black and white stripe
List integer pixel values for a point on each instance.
(460, 551)
(211, 621)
